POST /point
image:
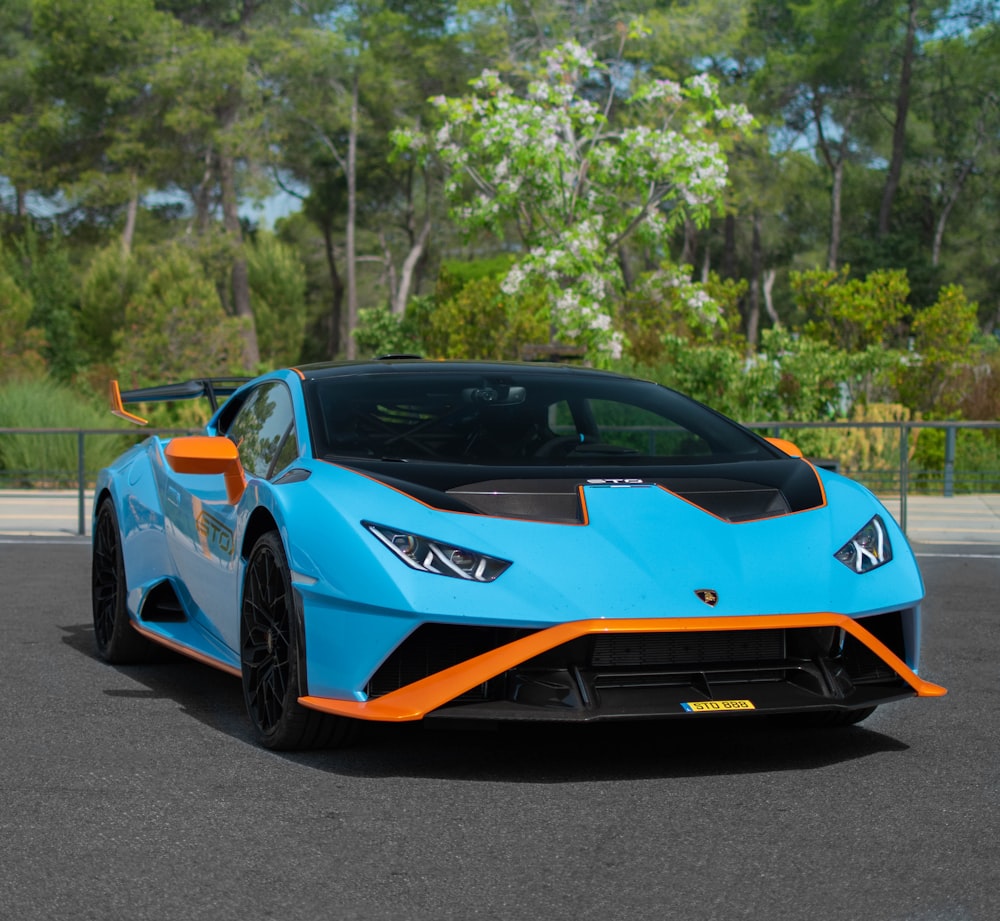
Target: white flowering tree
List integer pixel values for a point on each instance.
(551, 168)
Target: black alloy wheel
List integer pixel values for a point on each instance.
(114, 638)
(269, 654)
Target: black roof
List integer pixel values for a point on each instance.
(323, 370)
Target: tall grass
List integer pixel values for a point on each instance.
(51, 460)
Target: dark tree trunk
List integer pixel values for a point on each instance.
(240, 272)
(333, 341)
(352, 211)
(836, 197)
(131, 215)
(753, 295)
(899, 126)
(729, 248)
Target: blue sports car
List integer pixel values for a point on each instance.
(403, 539)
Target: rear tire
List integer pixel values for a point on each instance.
(270, 653)
(115, 639)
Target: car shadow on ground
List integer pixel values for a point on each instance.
(516, 752)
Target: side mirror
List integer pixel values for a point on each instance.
(788, 447)
(212, 455)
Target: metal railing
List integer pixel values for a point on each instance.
(78, 477)
(898, 479)
(947, 475)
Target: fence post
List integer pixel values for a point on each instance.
(81, 527)
(950, 437)
(904, 471)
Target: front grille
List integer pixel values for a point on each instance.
(637, 650)
(432, 648)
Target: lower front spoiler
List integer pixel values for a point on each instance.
(566, 699)
(751, 698)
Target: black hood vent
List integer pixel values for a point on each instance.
(536, 500)
(559, 500)
(732, 492)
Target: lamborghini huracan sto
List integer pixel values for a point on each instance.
(403, 539)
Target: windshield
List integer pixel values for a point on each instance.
(529, 416)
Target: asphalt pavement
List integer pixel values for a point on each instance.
(966, 519)
(137, 793)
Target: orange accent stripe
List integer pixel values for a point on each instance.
(783, 444)
(118, 408)
(416, 700)
(186, 651)
(819, 479)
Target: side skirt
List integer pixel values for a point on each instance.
(178, 644)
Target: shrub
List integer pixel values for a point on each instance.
(52, 459)
(175, 327)
(480, 321)
(380, 332)
(278, 290)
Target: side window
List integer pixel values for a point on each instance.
(264, 430)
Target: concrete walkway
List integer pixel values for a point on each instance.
(44, 512)
(955, 520)
(929, 519)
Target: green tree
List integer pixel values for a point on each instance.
(213, 116)
(319, 74)
(20, 345)
(17, 102)
(341, 89)
(40, 266)
(175, 327)
(277, 282)
(656, 314)
(478, 320)
(851, 313)
(97, 108)
(110, 282)
(549, 168)
(943, 350)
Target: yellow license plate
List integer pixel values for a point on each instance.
(716, 706)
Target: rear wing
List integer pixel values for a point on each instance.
(210, 387)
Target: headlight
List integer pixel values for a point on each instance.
(868, 549)
(434, 556)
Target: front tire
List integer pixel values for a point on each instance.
(115, 640)
(270, 654)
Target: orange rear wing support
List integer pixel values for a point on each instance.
(118, 407)
(212, 388)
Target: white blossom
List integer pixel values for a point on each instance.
(702, 85)
(513, 280)
(547, 160)
(737, 115)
